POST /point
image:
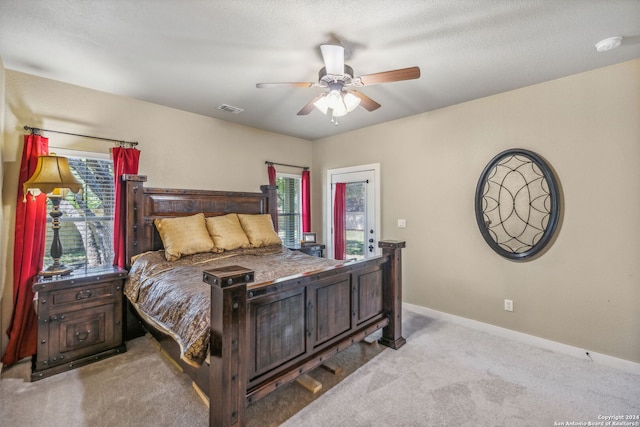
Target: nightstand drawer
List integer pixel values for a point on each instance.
(84, 296)
(84, 329)
(312, 249)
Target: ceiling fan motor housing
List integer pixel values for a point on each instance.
(328, 79)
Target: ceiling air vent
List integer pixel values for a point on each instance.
(230, 109)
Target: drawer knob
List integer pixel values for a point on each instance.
(84, 294)
(82, 336)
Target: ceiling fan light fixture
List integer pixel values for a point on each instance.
(334, 99)
(340, 103)
(340, 110)
(351, 101)
(322, 105)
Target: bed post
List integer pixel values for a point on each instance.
(133, 189)
(229, 345)
(271, 191)
(392, 333)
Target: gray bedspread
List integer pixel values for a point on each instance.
(172, 296)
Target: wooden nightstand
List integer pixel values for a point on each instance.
(80, 319)
(313, 249)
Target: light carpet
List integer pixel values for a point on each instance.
(136, 388)
(446, 375)
(451, 375)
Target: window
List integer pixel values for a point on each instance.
(86, 226)
(289, 209)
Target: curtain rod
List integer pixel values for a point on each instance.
(267, 162)
(37, 131)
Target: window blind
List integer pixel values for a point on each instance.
(86, 226)
(289, 209)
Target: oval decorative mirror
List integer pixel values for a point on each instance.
(517, 204)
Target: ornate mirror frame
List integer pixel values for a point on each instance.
(517, 204)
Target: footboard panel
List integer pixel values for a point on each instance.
(329, 312)
(289, 325)
(370, 292)
(277, 330)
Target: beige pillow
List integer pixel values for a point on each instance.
(184, 236)
(227, 232)
(259, 230)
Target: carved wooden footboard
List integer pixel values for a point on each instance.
(266, 335)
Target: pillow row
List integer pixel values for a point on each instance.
(194, 234)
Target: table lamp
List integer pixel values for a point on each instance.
(53, 177)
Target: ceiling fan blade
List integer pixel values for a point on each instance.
(390, 76)
(366, 102)
(309, 107)
(333, 57)
(294, 84)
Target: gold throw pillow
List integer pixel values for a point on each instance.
(259, 230)
(227, 232)
(184, 236)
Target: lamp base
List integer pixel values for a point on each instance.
(56, 270)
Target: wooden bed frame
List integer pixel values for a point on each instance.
(266, 335)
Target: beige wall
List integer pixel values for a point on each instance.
(585, 290)
(179, 149)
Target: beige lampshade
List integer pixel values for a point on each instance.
(52, 172)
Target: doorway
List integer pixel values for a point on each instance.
(362, 210)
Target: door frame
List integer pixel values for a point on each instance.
(375, 168)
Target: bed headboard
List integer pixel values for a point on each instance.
(143, 205)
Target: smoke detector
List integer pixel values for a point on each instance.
(608, 44)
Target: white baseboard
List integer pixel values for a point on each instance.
(603, 359)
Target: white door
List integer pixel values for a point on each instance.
(363, 210)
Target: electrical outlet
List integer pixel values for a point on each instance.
(508, 305)
(402, 223)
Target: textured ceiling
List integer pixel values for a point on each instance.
(195, 55)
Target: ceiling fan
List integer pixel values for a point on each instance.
(338, 78)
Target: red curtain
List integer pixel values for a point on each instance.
(339, 221)
(28, 255)
(125, 161)
(306, 201)
(271, 172)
